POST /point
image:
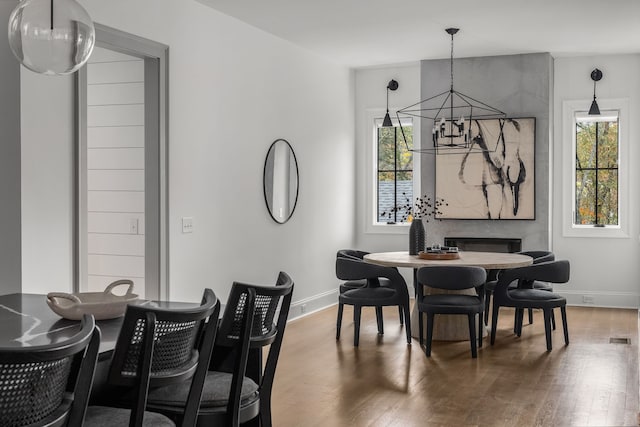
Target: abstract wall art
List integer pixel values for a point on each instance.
(495, 178)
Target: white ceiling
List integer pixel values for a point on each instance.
(361, 33)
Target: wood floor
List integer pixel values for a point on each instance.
(385, 382)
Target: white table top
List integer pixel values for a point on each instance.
(488, 260)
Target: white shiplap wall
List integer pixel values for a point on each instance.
(115, 169)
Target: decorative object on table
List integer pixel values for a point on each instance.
(423, 207)
(51, 37)
(496, 184)
(102, 305)
(441, 255)
(393, 85)
(453, 114)
(280, 181)
(596, 76)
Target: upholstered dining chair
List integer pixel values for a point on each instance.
(374, 281)
(230, 396)
(538, 257)
(49, 385)
(156, 347)
(524, 298)
(372, 295)
(450, 278)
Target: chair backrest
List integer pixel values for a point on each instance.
(539, 256)
(159, 346)
(356, 269)
(453, 278)
(351, 253)
(551, 271)
(49, 385)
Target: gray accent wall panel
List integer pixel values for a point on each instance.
(10, 206)
(519, 85)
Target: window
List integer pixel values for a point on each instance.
(394, 177)
(596, 169)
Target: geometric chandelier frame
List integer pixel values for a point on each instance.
(452, 114)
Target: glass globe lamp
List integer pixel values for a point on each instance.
(51, 36)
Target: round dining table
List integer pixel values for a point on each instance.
(448, 327)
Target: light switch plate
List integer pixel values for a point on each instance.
(187, 224)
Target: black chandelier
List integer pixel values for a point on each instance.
(452, 113)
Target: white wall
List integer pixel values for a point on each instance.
(606, 269)
(233, 90)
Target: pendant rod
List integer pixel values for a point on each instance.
(52, 16)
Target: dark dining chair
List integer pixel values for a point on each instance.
(157, 347)
(538, 257)
(255, 317)
(523, 298)
(450, 278)
(372, 295)
(49, 385)
(361, 283)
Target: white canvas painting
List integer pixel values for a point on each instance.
(494, 178)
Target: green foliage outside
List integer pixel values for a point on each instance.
(596, 173)
(395, 163)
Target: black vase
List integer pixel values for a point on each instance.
(416, 237)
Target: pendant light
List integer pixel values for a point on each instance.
(51, 37)
(596, 76)
(393, 85)
(452, 114)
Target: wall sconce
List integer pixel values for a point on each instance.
(51, 37)
(393, 85)
(596, 75)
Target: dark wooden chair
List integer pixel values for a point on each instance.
(355, 284)
(538, 257)
(232, 394)
(158, 347)
(372, 295)
(451, 279)
(49, 385)
(523, 297)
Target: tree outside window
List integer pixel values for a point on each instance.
(394, 171)
(596, 170)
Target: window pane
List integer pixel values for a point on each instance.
(608, 197)
(386, 191)
(386, 148)
(585, 144)
(585, 197)
(405, 157)
(607, 144)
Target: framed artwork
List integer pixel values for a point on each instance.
(495, 178)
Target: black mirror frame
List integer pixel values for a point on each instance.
(264, 171)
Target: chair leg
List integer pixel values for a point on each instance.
(480, 329)
(487, 297)
(400, 315)
(563, 313)
(421, 326)
(430, 317)
(472, 335)
(407, 327)
(356, 324)
(519, 319)
(553, 320)
(531, 316)
(547, 327)
(380, 320)
(494, 321)
(339, 322)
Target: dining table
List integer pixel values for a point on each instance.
(448, 327)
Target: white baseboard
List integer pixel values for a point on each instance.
(601, 299)
(306, 306)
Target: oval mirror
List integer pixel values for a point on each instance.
(281, 181)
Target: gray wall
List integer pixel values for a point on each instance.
(519, 85)
(10, 266)
(10, 247)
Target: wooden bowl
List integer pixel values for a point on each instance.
(443, 256)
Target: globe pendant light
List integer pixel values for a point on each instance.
(51, 37)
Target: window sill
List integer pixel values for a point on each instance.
(596, 232)
(387, 228)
